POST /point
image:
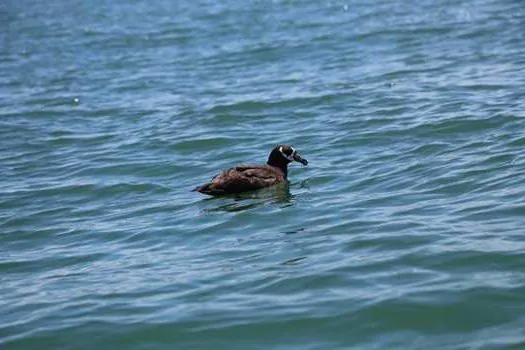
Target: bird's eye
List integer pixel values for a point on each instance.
(287, 152)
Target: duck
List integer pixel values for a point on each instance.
(245, 178)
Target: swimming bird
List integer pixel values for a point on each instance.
(243, 178)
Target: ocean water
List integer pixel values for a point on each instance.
(405, 231)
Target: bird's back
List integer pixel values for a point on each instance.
(243, 178)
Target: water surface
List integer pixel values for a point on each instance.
(404, 232)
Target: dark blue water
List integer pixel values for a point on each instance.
(404, 232)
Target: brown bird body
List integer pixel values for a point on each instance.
(244, 178)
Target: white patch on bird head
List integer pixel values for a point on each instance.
(289, 157)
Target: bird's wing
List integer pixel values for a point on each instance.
(241, 179)
(245, 178)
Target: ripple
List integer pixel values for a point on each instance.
(405, 230)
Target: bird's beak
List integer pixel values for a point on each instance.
(299, 159)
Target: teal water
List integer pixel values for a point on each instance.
(406, 230)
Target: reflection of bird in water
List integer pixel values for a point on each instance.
(278, 194)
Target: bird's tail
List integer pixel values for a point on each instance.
(203, 188)
(209, 189)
